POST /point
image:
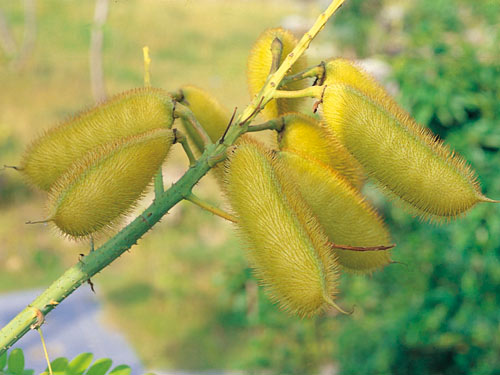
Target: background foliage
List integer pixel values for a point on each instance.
(185, 296)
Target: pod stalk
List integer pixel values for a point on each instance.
(317, 72)
(208, 207)
(179, 137)
(186, 114)
(310, 92)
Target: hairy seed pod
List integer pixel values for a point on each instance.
(342, 71)
(132, 112)
(211, 115)
(287, 247)
(405, 158)
(105, 184)
(307, 136)
(345, 216)
(259, 66)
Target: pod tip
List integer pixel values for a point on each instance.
(337, 307)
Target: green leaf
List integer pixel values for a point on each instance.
(59, 364)
(3, 360)
(80, 363)
(16, 362)
(100, 367)
(121, 370)
(28, 372)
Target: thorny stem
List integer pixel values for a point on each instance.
(208, 207)
(128, 236)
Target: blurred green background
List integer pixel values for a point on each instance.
(184, 296)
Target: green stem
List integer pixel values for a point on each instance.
(93, 263)
(159, 189)
(103, 256)
(208, 207)
(309, 92)
(274, 124)
(182, 139)
(186, 114)
(317, 71)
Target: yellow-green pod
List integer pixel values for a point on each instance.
(286, 245)
(105, 184)
(259, 67)
(405, 158)
(211, 115)
(342, 71)
(345, 216)
(307, 136)
(132, 112)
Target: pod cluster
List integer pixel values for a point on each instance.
(96, 165)
(316, 174)
(299, 205)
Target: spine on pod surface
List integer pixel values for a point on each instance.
(407, 160)
(104, 185)
(127, 114)
(345, 216)
(259, 66)
(286, 245)
(307, 136)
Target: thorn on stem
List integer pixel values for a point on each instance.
(228, 125)
(91, 285)
(257, 109)
(40, 318)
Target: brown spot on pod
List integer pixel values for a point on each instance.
(132, 112)
(286, 245)
(105, 184)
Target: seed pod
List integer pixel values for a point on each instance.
(287, 248)
(208, 111)
(132, 112)
(305, 135)
(406, 159)
(105, 184)
(342, 71)
(345, 216)
(259, 67)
